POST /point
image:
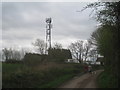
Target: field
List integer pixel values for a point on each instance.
(42, 76)
(9, 68)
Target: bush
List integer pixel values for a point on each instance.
(34, 59)
(59, 55)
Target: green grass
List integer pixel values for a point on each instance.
(106, 80)
(19, 76)
(9, 68)
(57, 81)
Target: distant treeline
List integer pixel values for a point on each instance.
(54, 55)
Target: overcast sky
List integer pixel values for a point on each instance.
(23, 22)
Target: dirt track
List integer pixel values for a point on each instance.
(85, 81)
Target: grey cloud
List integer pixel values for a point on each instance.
(26, 21)
(14, 15)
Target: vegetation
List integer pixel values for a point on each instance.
(58, 81)
(43, 76)
(106, 38)
(59, 55)
(11, 55)
(106, 80)
(37, 70)
(79, 50)
(9, 68)
(32, 59)
(40, 46)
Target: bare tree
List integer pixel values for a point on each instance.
(87, 48)
(79, 46)
(57, 45)
(22, 53)
(76, 49)
(12, 54)
(73, 50)
(40, 44)
(5, 53)
(93, 54)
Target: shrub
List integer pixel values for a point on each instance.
(34, 59)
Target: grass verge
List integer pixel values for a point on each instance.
(106, 80)
(57, 81)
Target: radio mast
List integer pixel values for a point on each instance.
(48, 34)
